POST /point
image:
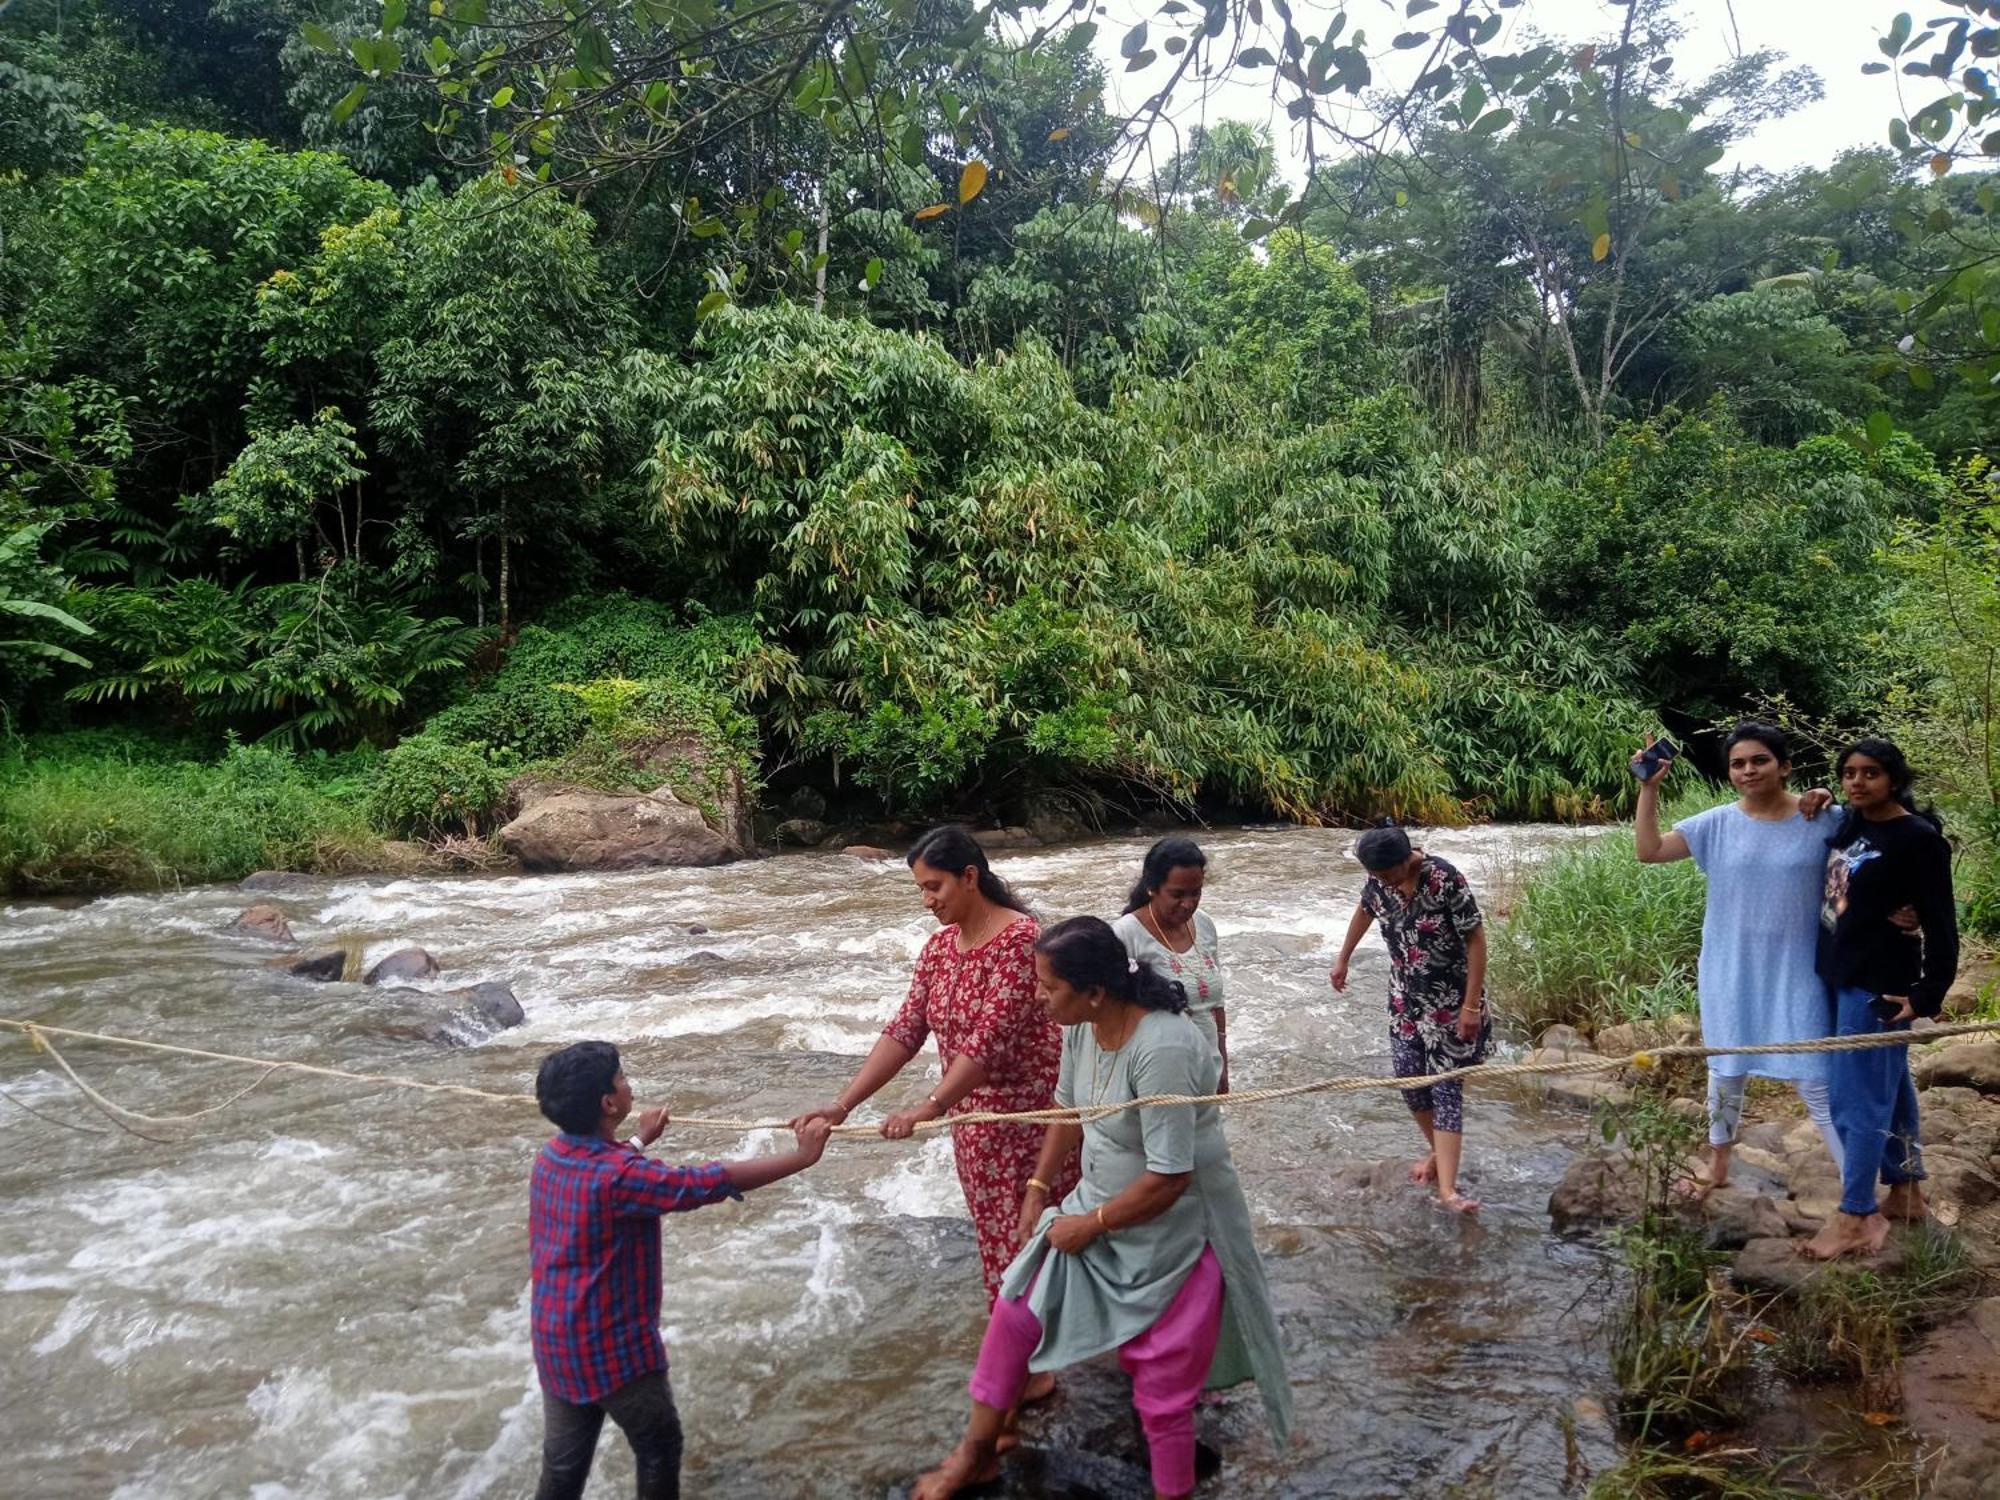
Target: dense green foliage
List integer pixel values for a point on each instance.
(1424, 490)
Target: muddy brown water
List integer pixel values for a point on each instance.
(323, 1291)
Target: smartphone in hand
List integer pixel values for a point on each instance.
(1646, 765)
(1884, 1009)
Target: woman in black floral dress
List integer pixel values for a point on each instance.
(1437, 987)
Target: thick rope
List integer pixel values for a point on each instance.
(38, 1034)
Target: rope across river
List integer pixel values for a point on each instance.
(39, 1035)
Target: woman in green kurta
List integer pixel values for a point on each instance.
(1151, 1254)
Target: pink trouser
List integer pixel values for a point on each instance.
(1168, 1364)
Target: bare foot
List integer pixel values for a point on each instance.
(1424, 1170)
(1038, 1389)
(964, 1467)
(1848, 1234)
(1905, 1203)
(1458, 1203)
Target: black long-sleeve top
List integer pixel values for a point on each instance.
(1872, 870)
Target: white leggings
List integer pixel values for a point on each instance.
(1725, 1110)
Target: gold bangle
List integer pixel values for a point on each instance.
(1036, 1182)
(1103, 1224)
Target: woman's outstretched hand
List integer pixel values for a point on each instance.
(1337, 977)
(902, 1124)
(831, 1114)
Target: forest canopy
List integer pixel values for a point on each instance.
(383, 386)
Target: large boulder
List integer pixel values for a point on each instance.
(403, 966)
(800, 833)
(688, 769)
(262, 921)
(994, 840)
(584, 830)
(274, 880)
(322, 964)
(456, 1018)
(1640, 1036)
(1600, 1187)
(1969, 1065)
(1735, 1216)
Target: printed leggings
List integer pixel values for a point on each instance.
(1725, 1110)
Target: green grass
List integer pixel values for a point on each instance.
(1597, 938)
(87, 818)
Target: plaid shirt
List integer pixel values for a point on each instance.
(594, 1211)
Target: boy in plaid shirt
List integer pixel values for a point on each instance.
(594, 1207)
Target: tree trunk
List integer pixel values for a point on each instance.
(819, 277)
(479, 581)
(506, 572)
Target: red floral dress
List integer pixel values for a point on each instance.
(982, 1005)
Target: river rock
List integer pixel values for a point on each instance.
(402, 966)
(994, 840)
(1735, 1216)
(1970, 1065)
(262, 921)
(494, 1003)
(1055, 820)
(274, 880)
(323, 964)
(867, 851)
(1601, 1187)
(1951, 1400)
(1962, 999)
(1562, 1041)
(1584, 1090)
(1778, 1265)
(806, 802)
(683, 767)
(1639, 1036)
(580, 830)
(801, 833)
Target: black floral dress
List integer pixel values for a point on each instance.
(1426, 933)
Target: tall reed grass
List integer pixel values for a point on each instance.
(81, 823)
(1596, 938)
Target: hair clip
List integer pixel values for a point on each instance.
(1131, 966)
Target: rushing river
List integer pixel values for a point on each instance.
(323, 1291)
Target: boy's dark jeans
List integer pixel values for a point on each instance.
(643, 1410)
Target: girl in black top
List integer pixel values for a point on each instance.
(1885, 854)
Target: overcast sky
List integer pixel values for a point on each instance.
(1832, 37)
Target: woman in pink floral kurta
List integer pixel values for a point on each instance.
(974, 990)
(982, 1005)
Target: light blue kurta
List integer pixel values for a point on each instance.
(1758, 938)
(1122, 1282)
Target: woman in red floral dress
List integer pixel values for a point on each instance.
(974, 990)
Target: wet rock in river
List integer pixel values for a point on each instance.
(274, 880)
(262, 921)
(993, 840)
(323, 964)
(800, 833)
(1603, 1187)
(582, 830)
(867, 851)
(456, 1018)
(402, 966)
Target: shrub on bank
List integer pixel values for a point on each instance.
(93, 821)
(432, 788)
(1597, 938)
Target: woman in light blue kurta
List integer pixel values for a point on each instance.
(1765, 860)
(1151, 1254)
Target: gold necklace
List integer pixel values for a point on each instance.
(1152, 924)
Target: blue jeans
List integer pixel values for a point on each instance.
(1874, 1107)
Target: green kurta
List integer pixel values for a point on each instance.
(1124, 1281)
